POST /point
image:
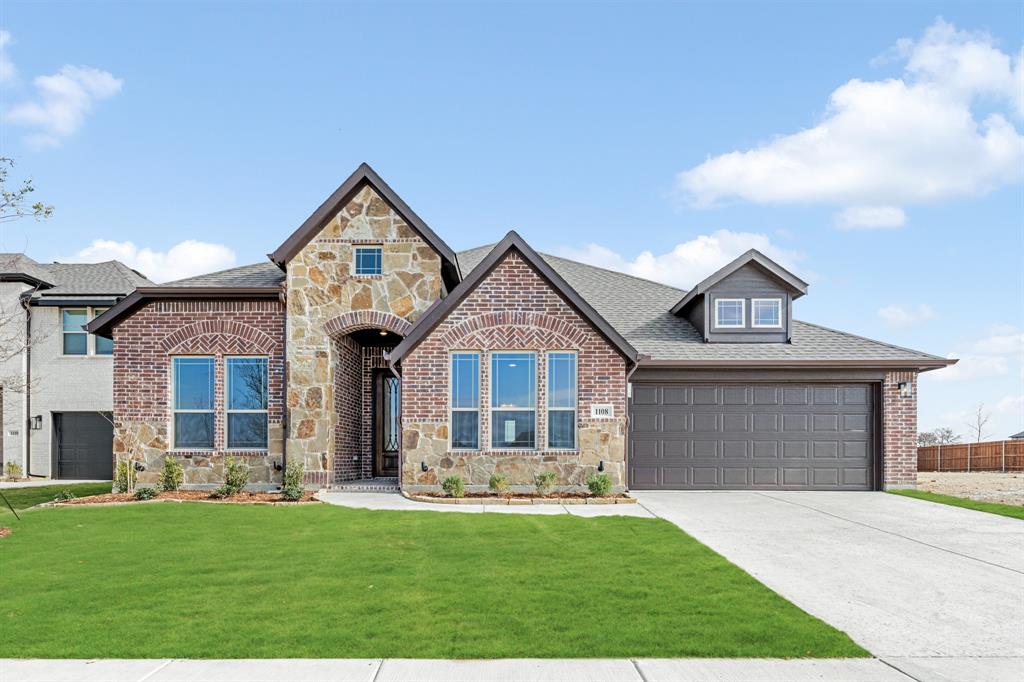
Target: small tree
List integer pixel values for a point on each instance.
(978, 422)
(940, 436)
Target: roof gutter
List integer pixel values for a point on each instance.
(922, 365)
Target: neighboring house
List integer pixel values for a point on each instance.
(56, 378)
(367, 347)
(1017, 436)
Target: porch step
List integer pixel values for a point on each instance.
(388, 484)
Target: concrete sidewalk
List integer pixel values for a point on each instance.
(505, 670)
(36, 483)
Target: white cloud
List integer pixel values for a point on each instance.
(8, 72)
(885, 144)
(870, 217)
(971, 367)
(63, 99)
(1002, 340)
(906, 316)
(1011, 404)
(184, 259)
(688, 262)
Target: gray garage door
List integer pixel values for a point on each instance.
(761, 436)
(85, 443)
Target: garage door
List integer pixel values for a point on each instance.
(85, 443)
(760, 436)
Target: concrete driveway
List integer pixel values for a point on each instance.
(903, 577)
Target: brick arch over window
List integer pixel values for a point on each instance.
(358, 320)
(219, 336)
(515, 329)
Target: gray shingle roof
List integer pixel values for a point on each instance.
(639, 309)
(255, 275)
(111, 278)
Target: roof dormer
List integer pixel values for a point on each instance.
(750, 300)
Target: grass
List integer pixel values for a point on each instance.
(234, 581)
(1011, 510)
(23, 498)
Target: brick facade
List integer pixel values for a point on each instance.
(513, 308)
(145, 342)
(899, 431)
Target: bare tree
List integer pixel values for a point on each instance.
(940, 436)
(14, 202)
(978, 422)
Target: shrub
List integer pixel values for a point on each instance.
(498, 483)
(236, 477)
(454, 486)
(12, 470)
(600, 484)
(291, 485)
(64, 496)
(172, 475)
(146, 493)
(124, 477)
(545, 482)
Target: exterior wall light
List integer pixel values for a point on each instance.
(383, 332)
(37, 422)
(906, 389)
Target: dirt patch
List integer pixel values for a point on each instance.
(4, 531)
(983, 486)
(193, 496)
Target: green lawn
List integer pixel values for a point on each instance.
(23, 498)
(1010, 510)
(224, 581)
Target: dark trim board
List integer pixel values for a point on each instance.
(647, 373)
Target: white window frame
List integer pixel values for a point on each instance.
(576, 402)
(753, 312)
(743, 313)
(228, 411)
(452, 409)
(175, 410)
(491, 409)
(91, 313)
(355, 259)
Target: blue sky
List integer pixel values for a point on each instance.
(874, 148)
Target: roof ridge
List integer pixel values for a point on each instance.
(865, 338)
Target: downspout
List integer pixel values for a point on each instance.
(26, 440)
(285, 415)
(625, 440)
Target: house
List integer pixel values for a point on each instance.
(366, 347)
(55, 379)
(1017, 436)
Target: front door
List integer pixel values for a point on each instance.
(387, 424)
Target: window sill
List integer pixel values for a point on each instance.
(514, 453)
(196, 452)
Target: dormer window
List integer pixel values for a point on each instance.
(368, 260)
(729, 312)
(766, 312)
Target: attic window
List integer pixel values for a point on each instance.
(729, 312)
(368, 260)
(766, 312)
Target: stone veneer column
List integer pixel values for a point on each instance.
(899, 432)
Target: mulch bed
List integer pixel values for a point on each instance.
(531, 496)
(192, 496)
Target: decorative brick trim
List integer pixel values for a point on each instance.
(899, 431)
(358, 320)
(242, 337)
(529, 329)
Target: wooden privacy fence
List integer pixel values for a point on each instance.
(999, 455)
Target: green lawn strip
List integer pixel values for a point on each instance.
(23, 498)
(1011, 510)
(224, 581)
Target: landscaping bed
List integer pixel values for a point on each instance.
(191, 496)
(522, 498)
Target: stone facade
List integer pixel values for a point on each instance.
(144, 344)
(513, 308)
(899, 431)
(327, 300)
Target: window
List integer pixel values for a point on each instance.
(729, 312)
(465, 401)
(368, 260)
(562, 401)
(247, 403)
(766, 312)
(103, 346)
(76, 339)
(513, 400)
(193, 403)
